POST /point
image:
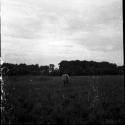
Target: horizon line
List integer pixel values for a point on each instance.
(61, 61)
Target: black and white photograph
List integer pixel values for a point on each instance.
(61, 62)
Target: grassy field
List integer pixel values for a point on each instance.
(44, 100)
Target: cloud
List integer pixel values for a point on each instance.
(104, 40)
(101, 30)
(63, 29)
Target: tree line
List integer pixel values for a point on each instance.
(75, 67)
(78, 67)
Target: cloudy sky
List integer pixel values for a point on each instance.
(48, 31)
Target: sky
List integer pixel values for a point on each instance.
(48, 31)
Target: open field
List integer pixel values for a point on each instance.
(44, 100)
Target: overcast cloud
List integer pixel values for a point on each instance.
(48, 31)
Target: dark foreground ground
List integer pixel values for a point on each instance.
(44, 100)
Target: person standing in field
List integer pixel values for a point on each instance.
(65, 79)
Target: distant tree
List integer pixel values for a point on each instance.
(75, 67)
(51, 69)
(56, 72)
(44, 70)
(87, 67)
(120, 69)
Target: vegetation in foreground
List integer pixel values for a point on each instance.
(44, 100)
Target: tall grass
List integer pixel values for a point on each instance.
(44, 100)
